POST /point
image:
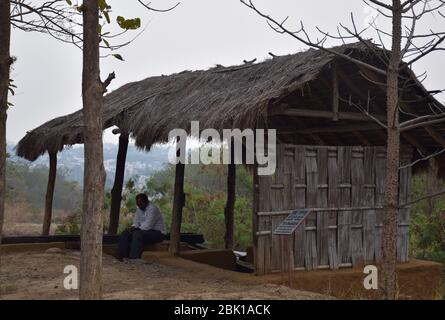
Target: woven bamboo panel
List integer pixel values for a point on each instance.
(346, 181)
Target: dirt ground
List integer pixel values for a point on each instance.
(27, 273)
(39, 275)
(417, 280)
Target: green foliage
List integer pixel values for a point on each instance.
(71, 224)
(427, 227)
(28, 184)
(118, 57)
(104, 13)
(128, 24)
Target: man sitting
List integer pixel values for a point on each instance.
(148, 228)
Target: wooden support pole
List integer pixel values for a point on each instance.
(178, 204)
(255, 210)
(50, 193)
(229, 210)
(116, 191)
(290, 259)
(282, 257)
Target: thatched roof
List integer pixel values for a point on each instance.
(225, 97)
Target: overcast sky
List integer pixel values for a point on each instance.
(196, 35)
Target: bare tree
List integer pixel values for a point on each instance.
(406, 42)
(94, 173)
(5, 63)
(51, 17)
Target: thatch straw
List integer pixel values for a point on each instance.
(221, 97)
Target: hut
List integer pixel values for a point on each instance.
(330, 117)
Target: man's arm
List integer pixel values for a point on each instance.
(136, 220)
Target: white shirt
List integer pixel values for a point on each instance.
(149, 219)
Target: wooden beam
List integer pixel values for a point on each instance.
(322, 114)
(229, 209)
(50, 193)
(178, 204)
(435, 135)
(116, 191)
(340, 128)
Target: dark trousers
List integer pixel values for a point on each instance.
(131, 244)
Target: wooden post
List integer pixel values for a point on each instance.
(229, 210)
(178, 203)
(116, 191)
(50, 193)
(282, 264)
(287, 258)
(290, 259)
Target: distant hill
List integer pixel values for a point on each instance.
(139, 165)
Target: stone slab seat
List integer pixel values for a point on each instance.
(221, 258)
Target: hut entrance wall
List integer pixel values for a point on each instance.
(345, 188)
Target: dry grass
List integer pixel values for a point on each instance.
(22, 219)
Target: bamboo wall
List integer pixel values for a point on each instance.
(348, 183)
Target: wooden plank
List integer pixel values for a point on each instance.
(344, 200)
(300, 202)
(290, 260)
(255, 218)
(311, 201)
(277, 203)
(369, 216)
(404, 197)
(380, 164)
(357, 181)
(333, 201)
(322, 202)
(263, 247)
(288, 154)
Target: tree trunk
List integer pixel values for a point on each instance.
(5, 63)
(178, 203)
(50, 193)
(229, 210)
(116, 191)
(94, 172)
(390, 210)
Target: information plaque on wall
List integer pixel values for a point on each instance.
(292, 221)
